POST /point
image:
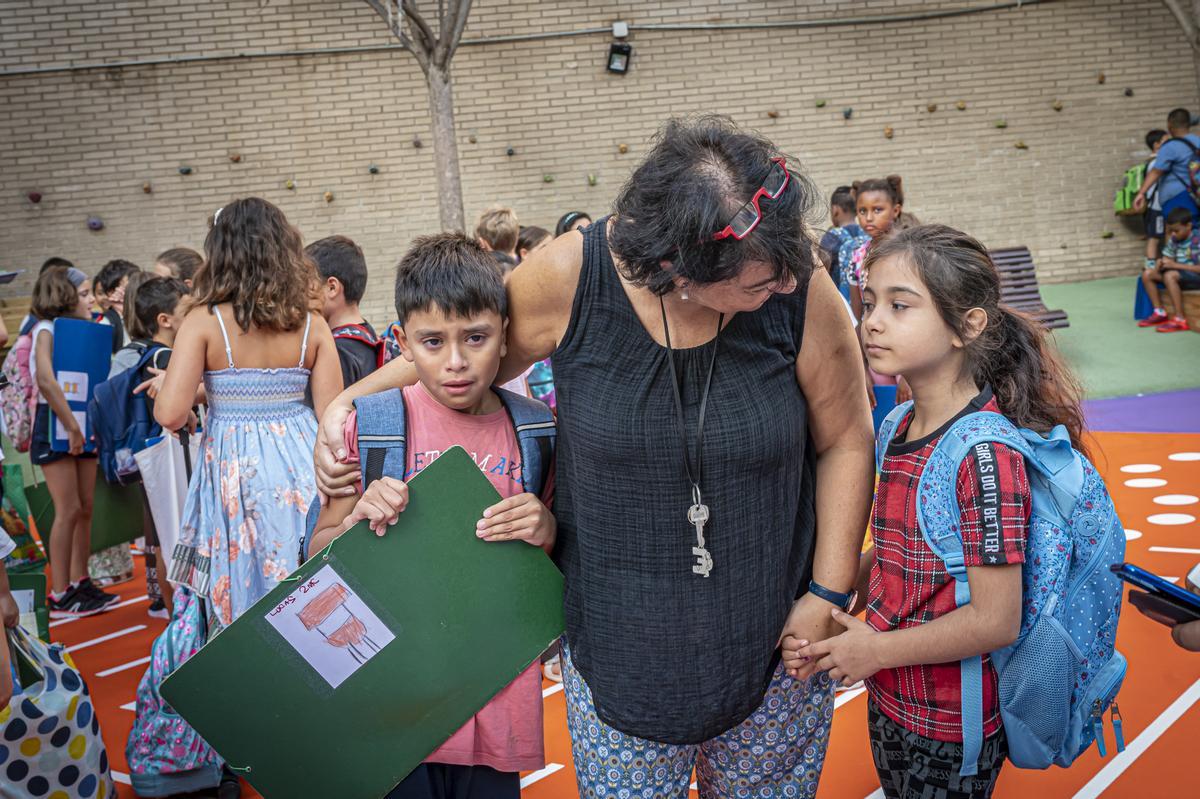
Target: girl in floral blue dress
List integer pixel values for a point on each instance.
(253, 339)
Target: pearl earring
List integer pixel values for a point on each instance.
(683, 295)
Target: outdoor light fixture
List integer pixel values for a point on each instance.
(619, 54)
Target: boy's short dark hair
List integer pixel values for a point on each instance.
(1179, 216)
(149, 298)
(54, 260)
(183, 262)
(843, 197)
(110, 275)
(451, 272)
(1179, 118)
(1154, 137)
(341, 258)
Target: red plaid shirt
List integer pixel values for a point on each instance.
(909, 584)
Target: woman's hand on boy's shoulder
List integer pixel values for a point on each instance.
(520, 518)
(380, 505)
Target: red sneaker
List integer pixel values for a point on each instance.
(1153, 320)
(1176, 325)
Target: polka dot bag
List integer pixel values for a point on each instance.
(50, 744)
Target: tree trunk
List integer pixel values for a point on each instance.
(445, 148)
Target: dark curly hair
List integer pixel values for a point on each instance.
(698, 174)
(255, 260)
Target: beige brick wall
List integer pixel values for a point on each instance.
(88, 140)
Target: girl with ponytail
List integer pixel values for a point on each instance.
(931, 310)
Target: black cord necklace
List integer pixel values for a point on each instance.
(698, 512)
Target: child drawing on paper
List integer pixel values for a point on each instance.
(328, 614)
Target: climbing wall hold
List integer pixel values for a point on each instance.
(821, 103)
(417, 143)
(1058, 106)
(328, 196)
(95, 223)
(147, 188)
(235, 158)
(773, 114)
(1001, 123)
(289, 184)
(1021, 145)
(1108, 234)
(622, 148)
(511, 151)
(547, 178)
(961, 105)
(1100, 78)
(472, 138)
(888, 132)
(592, 179)
(1129, 92)
(185, 170)
(931, 107)
(847, 113)
(35, 197)
(373, 169)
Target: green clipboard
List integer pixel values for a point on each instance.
(467, 617)
(116, 513)
(31, 587)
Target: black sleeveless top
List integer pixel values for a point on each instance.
(669, 655)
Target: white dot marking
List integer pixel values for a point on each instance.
(1176, 499)
(1141, 468)
(1146, 482)
(1170, 519)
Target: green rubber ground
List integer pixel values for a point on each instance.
(1110, 353)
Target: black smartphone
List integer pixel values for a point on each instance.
(1159, 599)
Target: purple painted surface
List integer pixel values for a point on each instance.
(1172, 412)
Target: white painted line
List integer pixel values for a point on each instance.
(121, 777)
(1130, 535)
(1141, 468)
(1184, 456)
(109, 637)
(552, 690)
(132, 706)
(1176, 499)
(1170, 519)
(1137, 747)
(1176, 550)
(876, 794)
(126, 603)
(124, 667)
(846, 696)
(541, 774)
(1146, 482)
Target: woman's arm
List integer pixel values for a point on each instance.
(3, 333)
(830, 373)
(326, 376)
(184, 372)
(51, 391)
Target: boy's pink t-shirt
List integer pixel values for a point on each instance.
(507, 733)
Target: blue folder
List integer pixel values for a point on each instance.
(82, 355)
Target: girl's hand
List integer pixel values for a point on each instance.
(154, 384)
(74, 439)
(335, 477)
(10, 615)
(381, 505)
(848, 657)
(519, 518)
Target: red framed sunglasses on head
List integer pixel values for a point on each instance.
(749, 215)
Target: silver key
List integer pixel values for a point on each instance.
(698, 516)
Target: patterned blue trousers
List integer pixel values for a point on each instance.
(777, 752)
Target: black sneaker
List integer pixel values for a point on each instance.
(76, 603)
(157, 610)
(91, 589)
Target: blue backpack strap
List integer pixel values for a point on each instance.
(381, 448)
(536, 435)
(887, 431)
(938, 514)
(382, 436)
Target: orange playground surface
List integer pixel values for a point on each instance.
(1151, 476)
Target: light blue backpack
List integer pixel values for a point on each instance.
(1063, 672)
